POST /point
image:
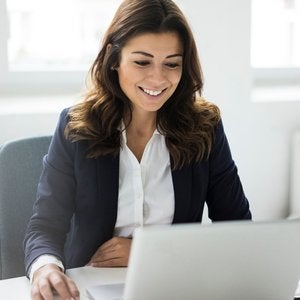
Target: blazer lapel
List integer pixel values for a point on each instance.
(182, 183)
(108, 186)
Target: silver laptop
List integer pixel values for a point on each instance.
(226, 260)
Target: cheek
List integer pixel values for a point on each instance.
(128, 83)
(124, 80)
(176, 78)
(128, 76)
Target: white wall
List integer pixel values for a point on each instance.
(259, 133)
(19, 126)
(23, 116)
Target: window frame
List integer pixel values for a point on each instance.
(3, 43)
(271, 79)
(33, 82)
(275, 76)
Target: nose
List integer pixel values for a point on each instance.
(157, 74)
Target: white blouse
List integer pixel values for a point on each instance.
(146, 194)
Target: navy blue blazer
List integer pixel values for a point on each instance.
(85, 190)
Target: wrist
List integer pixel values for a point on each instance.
(44, 260)
(45, 269)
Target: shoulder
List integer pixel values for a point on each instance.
(211, 122)
(59, 141)
(63, 152)
(64, 118)
(207, 109)
(207, 116)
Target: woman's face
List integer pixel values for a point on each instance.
(150, 69)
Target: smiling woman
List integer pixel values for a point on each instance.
(142, 148)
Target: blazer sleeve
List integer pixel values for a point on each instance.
(54, 206)
(225, 197)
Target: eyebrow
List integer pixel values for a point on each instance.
(150, 55)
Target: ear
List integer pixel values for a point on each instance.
(108, 49)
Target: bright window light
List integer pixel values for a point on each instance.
(275, 36)
(56, 35)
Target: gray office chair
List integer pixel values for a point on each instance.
(20, 168)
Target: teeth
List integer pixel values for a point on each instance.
(152, 93)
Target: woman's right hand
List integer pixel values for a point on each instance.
(50, 279)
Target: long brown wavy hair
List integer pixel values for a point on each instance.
(186, 120)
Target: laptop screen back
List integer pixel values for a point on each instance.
(232, 260)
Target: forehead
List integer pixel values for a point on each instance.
(167, 43)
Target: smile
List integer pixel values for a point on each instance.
(151, 93)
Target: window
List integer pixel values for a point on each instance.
(276, 33)
(50, 44)
(56, 34)
(275, 41)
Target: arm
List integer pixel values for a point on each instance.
(226, 199)
(49, 224)
(54, 207)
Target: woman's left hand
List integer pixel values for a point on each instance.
(113, 253)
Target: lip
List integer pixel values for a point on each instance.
(152, 92)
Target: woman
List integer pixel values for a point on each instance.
(142, 148)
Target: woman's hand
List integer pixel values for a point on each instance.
(49, 279)
(113, 253)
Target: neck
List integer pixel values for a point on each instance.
(139, 132)
(143, 125)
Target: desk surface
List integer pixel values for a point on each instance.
(19, 288)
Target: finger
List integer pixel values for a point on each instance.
(95, 257)
(59, 283)
(108, 244)
(35, 293)
(113, 248)
(114, 262)
(73, 289)
(114, 244)
(45, 290)
(102, 250)
(102, 256)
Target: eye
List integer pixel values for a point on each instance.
(142, 63)
(172, 65)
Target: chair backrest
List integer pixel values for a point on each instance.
(20, 168)
(295, 177)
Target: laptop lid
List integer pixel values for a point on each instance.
(230, 260)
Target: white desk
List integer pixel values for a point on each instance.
(19, 288)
